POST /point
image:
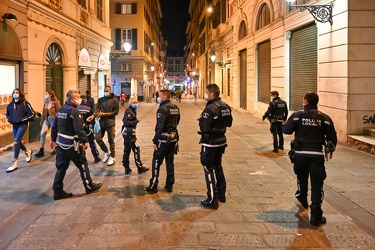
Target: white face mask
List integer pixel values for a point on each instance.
(106, 93)
(206, 96)
(15, 96)
(78, 101)
(46, 97)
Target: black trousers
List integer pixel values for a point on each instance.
(130, 144)
(313, 166)
(63, 159)
(94, 149)
(167, 152)
(276, 129)
(213, 171)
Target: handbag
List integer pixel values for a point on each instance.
(96, 126)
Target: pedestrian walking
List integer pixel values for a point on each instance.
(314, 134)
(50, 107)
(276, 113)
(165, 141)
(213, 123)
(107, 109)
(70, 136)
(129, 126)
(122, 99)
(19, 113)
(88, 125)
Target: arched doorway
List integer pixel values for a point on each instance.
(54, 71)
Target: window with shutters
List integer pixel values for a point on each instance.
(264, 17)
(126, 36)
(99, 9)
(242, 31)
(264, 72)
(126, 67)
(82, 3)
(126, 9)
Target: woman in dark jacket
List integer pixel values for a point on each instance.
(50, 107)
(19, 113)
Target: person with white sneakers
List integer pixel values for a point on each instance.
(19, 113)
(106, 109)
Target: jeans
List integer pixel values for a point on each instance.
(18, 132)
(45, 126)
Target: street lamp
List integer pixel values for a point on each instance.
(115, 56)
(322, 13)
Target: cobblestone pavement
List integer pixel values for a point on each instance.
(260, 212)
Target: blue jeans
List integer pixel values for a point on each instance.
(18, 132)
(46, 125)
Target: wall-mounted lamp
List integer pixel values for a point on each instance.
(321, 13)
(127, 47)
(9, 16)
(152, 68)
(213, 57)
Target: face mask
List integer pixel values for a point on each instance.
(106, 93)
(46, 97)
(15, 96)
(271, 98)
(159, 100)
(135, 106)
(78, 101)
(206, 96)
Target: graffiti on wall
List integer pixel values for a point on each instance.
(369, 119)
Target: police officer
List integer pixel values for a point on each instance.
(213, 123)
(165, 141)
(72, 141)
(130, 122)
(88, 124)
(276, 113)
(314, 131)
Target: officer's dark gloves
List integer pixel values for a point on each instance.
(264, 117)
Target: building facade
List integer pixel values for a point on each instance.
(53, 44)
(264, 45)
(139, 71)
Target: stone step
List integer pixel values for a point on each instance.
(362, 142)
(369, 132)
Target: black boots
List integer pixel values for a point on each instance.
(40, 153)
(316, 222)
(210, 204)
(152, 190)
(92, 187)
(142, 170)
(168, 188)
(221, 198)
(61, 194)
(128, 170)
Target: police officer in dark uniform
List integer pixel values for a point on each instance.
(213, 123)
(276, 113)
(165, 141)
(68, 133)
(314, 134)
(88, 124)
(129, 126)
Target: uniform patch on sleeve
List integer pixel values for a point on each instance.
(158, 115)
(80, 116)
(205, 115)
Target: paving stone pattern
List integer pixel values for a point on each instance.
(260, 213)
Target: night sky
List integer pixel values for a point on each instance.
(175, 17)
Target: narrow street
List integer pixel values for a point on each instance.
(260, 212)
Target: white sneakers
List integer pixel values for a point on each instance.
(12, 167)
(29, 155)
(106, 157)
(109, 159)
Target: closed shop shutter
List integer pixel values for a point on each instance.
(84, 82)
(303, 64)
(264, 72)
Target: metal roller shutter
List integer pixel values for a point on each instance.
(303, 64)
(264, 72)
(83, 83)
